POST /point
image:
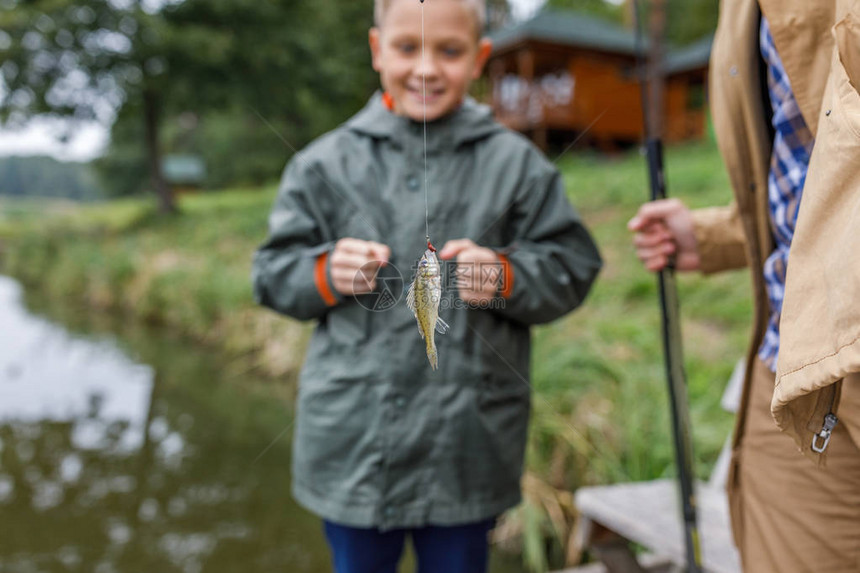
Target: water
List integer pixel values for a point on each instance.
(126, 449)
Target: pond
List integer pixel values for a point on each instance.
(125, 449)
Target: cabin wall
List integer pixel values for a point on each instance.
(607, 99)
(686, 110)
(548, 87)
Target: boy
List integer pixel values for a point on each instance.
(383, 445)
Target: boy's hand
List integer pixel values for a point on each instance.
(354, 264)
(478, 269)
(664, 229)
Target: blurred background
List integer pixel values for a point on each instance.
(145, 401)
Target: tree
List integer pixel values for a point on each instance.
(601, 8)
(686, 20)
(690, 20)
(123, 169)
(300, 65)
(288, 71)
(85, 60)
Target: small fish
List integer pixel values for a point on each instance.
(423, 298)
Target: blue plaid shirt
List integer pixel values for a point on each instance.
(792, 146)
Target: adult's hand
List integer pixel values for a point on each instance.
(478, 269)
(662, 231)
(354, 264)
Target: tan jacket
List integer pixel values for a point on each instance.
(739, 234)
(820, 324)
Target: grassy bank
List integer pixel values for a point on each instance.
(600, 401)
(602, 368)
(190, 272)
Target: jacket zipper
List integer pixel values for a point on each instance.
(822, 438)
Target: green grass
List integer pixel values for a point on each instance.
(600, 400)
(599, 372)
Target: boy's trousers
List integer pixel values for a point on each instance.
(455, 549)
(794, 516)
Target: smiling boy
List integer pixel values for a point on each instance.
(384, 447)
(455, 55)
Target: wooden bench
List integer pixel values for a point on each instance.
(647, 513)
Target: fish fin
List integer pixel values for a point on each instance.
(410, 298)
(441, 326)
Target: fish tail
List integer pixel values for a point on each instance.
(432, 355)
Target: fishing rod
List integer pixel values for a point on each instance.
(671, 324)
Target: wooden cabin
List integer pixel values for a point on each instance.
(563, 75)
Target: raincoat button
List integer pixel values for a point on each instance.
(412, 182)
(390, 511)
(400, 401)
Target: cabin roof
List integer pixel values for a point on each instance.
(567, 28)
(573, 29)
(696, 55)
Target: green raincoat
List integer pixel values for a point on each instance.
(380, 439)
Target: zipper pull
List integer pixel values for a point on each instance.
(830, 421)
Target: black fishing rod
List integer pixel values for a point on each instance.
(671, 324)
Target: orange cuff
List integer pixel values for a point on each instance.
(506, 288)
(321, 280)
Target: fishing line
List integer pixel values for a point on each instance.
(424, 101)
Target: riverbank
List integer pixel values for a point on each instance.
(599, 391)
(190, 273)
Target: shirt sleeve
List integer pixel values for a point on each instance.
(551, 265)
(290, 269)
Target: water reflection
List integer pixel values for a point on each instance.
(46, 374)
(109, 465)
